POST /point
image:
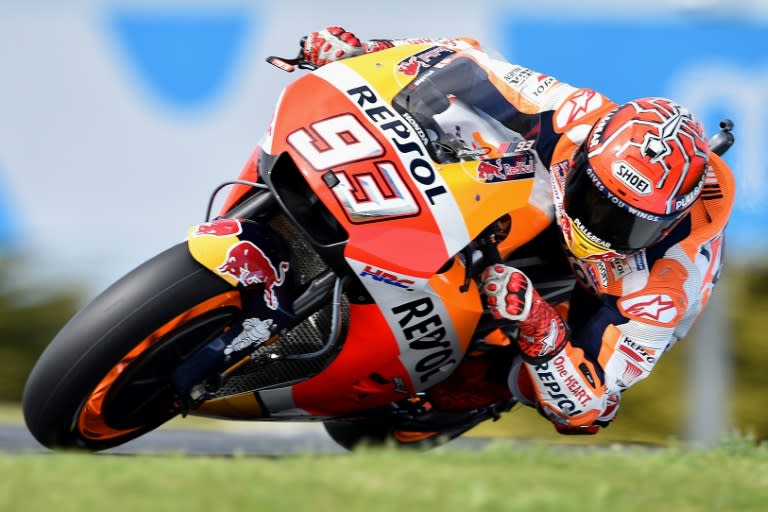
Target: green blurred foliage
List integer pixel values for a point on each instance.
(748, 314)
(29, 319)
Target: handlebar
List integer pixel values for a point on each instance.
(290, 65)
(723, 139)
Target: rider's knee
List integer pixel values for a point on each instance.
(566, 390)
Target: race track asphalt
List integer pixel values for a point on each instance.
(273, 440)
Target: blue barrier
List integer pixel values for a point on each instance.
(7, 225)
(717, 69)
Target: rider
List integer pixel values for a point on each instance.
(641, 204)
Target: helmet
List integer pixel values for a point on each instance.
(635, 177)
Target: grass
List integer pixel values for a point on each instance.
(505, 476)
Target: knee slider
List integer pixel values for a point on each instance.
(568, 390)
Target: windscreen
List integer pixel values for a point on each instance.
(460, 114)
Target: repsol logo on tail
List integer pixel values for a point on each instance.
(412, 153)
(424, 331)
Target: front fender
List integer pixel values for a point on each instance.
(245, 254)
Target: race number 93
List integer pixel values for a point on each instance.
(367, 192)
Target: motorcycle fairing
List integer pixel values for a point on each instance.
(247, 255)
(379, 205)
(371, 169)
(421, 335)
(479, 201)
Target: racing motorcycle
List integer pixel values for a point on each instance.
(339, 283)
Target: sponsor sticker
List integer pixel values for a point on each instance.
(255, 332)
(388, 278)
(620, 268)
(535, 89)
(423, 60)
(577, 106)
(659, 308)
(631, 177)
(220, 227)
(631, 373)
(517, 76)
(247, 263)
(506, 169)
(427, 336)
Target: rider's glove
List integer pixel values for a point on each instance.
(331, 44)
(511, 296)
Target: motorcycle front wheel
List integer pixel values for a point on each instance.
(107, 377)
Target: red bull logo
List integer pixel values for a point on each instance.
(410, 67)
(505, 169)
(249, 265)
(423, 60)
(489, 171)
(220, 227)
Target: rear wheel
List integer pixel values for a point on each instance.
(351, 434)
(107, 377)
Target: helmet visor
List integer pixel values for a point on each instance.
(599, 214)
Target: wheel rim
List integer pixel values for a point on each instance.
(91, 421)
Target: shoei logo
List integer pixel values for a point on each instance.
(631, 178)
(184, 56)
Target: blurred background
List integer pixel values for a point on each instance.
(118, 117)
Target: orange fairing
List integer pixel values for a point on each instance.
(245, 406)
(361, 377)
(367, 373)
(409, 221)
(369, 165)
(90, 422)
(464, 308)
(250, 172)
(527, 222)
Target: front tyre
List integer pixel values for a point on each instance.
(107, 377)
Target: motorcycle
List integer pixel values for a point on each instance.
(339, 282)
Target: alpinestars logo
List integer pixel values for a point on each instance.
(655, 308)
(549, 342)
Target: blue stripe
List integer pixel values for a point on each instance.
(7, 224)
(185, 57)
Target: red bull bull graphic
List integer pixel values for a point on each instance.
(409, 66)
(220, 227)
(249, 265)
(423, 60)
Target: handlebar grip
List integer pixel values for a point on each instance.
(724, 139)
